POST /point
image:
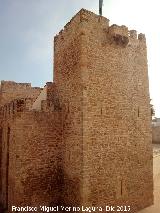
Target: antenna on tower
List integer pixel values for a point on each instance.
(100, 7)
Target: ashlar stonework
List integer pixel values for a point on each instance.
(85, 139)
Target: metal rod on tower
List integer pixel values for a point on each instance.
(100, 7)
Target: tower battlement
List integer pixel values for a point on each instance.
(121, 34)
(82, 16)
(121, 30)
(98, 69)
(124, 31)
(6, 84)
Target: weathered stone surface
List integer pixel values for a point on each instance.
(10, 90)
(86, 138)
(108, 126)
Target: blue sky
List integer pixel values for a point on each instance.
(27, 28)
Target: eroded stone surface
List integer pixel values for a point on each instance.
(87, 140)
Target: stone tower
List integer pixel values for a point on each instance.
(102, 79)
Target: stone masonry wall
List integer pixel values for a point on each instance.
(33, 151)
(107, 155)
(90, 142)
(10, 90)
(67, 77)
(117, 122)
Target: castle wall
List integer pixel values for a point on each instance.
(10, 90)
(67, 78)
(106, 112)
(89, 143)
(32, 176)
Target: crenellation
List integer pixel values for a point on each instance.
(119, 35)
(120, 30)
(142, 37)
(23, 84)
(133, 34)
(11, 90)
(5, 84)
